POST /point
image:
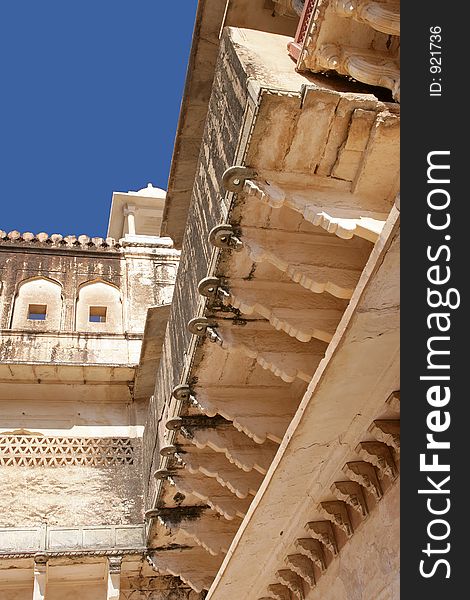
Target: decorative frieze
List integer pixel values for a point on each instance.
(309, 551)
(52, 451)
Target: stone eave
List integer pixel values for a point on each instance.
(371, 320)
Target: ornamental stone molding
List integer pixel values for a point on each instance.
(53, 451)
(381, 16)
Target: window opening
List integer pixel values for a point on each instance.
(37, 312)
(97, 314)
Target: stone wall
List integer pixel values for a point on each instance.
(70, 432)
(73, 495)
(139, 276)
(219, 145)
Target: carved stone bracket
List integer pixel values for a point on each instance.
(220, 499)
(201, 326)
(379, 455)
(292, 581)
(223, 236)
(183, 393)
(234, 178)
(381, 16)
(312, 549)
(323, 532)
(277, 591)
(351, 493)
(394, 401)
(212, 288)
(364, 474)
(337, 513)
(302, 566)
(387, 431)
(195, 567)
(320, 209)
(370, 68)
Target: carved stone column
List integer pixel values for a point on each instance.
(381, 16)
(40, 577)
(114, 577)
(129, 212)
(370, 68)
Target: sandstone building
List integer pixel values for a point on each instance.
(244, 442)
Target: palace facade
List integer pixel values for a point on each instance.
(230, 429)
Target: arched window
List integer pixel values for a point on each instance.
(165, 273)
(99, 308)
(38, 305)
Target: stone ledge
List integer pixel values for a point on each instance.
(106, 539)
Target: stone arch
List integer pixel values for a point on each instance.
(99, 307)
(38, 304)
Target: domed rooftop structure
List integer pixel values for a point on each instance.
(150, 192)
(137, 214)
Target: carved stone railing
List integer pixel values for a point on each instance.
(29, 540)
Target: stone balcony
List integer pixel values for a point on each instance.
(359, 39)
(29, 540)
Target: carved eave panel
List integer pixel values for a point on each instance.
(326, 435)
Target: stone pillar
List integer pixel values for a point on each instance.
(40, 577)
(114, 577)
(129, 212)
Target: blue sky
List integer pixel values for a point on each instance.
(90, 94)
